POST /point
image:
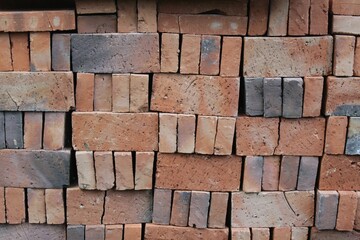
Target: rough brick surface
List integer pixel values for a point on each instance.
(104, 170)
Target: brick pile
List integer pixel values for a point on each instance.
(165, 119)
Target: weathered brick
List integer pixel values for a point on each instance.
(258, 17)
(114, 232)
(224, 136)
(198, 172)
(299, 233)
(326, 209)
(14, 130)
(162, 206)
(132, 231)
(210, 55)
(15, 205)
(55, 208)
(260, 233)
(271, 173)
(54, 131)
(104, 170)
(93, 6)
(254, 96)
(168, 132)
(231, 56)
(298, 17)
(170, 52)
(272, 97)
(196, 94)
(40, 51)
(199, 208)
(345, 7)
(144, 170)
(186, 133)
(313, 92)
(20, 51)
(344, 51)
(346, 25)
(75, 232)
(95, 232)
(121, 92)
(289, 173)
(190, 54)
(96, 23)
(60, 52)
(282, 233)
(287, 56)
(279, 13)
(205, 134)
(139, 93)
(33, 130)
(127, 16)
(307, 173)
(5, 52)
(218, 210)
(353, 137)
(32, 231)
(240, 233)
(146, 10)
(319, 17)
(168, 23)
(36, 205)
(346, 211)
(253, 170)
(293, 92)
(180, 208)
(85, 170)
(333, 235)
(124, 171)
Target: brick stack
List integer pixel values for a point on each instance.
(184, 119)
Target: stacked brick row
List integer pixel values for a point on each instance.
(181, 120)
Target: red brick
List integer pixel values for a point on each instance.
(139, 93)
(258, 17)
(85, 170)
(170, 52)
(260, 233)
(345, 7)
(114, 232)
(168, 23)
(289, 173)
(146, 10)
(205, 134)
(102, 92)
(20, 51)
(168, 132)
(127, 16)
(2, 205)
(299, 233)
(271, 173)
(278, 19)
(132, 232)
(199, 208)
(33, 130)
(282, 233)
(298, 17)
(54, 131)
(161, 206)
(40, 51)
(15, 205)
(5, 52)
(336, 130)
(55, 208)
(180, 208)
(218, 210)
(346, 25)
(121, 92)
(124, 171)
(60, 52)
(224, 136)
(85, 92)
(93, 6)
(190, 54)
(256, 136)
(210, 55)
(357, 58)
(240, 233)
(253, 170)
(230, 56)
(144, 170)
(95, 232)
(186, 133)
(357, 216)
(319, 17)
(346, 210)
(198, 172)
(96, 24)
(344, 50)
(104, 170)
(36, 205)
(313, 96)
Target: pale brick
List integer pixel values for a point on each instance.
(205, 134)
(94, 232)
(124, 171)
(114, 232)
(75, 232)
(54, 131)
(139, 93)
(346, 25)
(240, 233)
(224, 136)
(33, 130)
(36, 205)
(121, 92)
(55, 208)
(144, 170)
(40, 51)
(104, 170)
(186, 133)
(146, 10)
(344, 51)
(170, 52)
(127, 16)
(279, 13)
(260, 233)
(168, 132)
(85, 170)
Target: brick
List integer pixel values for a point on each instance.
(210, 55)
(102, 92)
(313, 91)
(139, 93)
(357, 216)
(224, 136)
(253, 170)
(299, 233)
(293, 91)
(104, 169)
(124, 171)
(33, 130)
(240, 234)
(15, 205)
(114, 232)
(344, 50)
(144, 170)
(298, 17)
(32, 231)
(84, 207)
(254, 95)
(357, 58)
(2, 130)
(170, 52)
(258, 17)
(113, 51)
(289, 173)
(14, 130)
(55, 208)
(128, 207)
(85, 170)
(198, 172)
(127, 16)
(186, 133)
(279, 13)
(282, 233)
(196, 94)
(5, 52)
(205, 134)
(213, 24)
(199, 208)
(36, 205)
(353, 137)
(109, 129)
(75, 232)
(95, 232)
(168, 23)
(301, 137)
(54, 131)
(306, 56)
(162, 206)
(180, 208)
(299, 210)
(218, 210)
(271, 173)
(85, 92)
(339, 172)
(121, 92)
(60, 52)
(272, 91)
(256, 136)
(345, 7)
(96, 24)
(326, 209)
(35, 168)
(37, 21)
(346, 25)
(2, 206)
(346, 210)
(168, 132)
(333, 235)
(93, 6)
(40, 51)
(20, 51)
(132, 231)
(307, 173)
(338, 103)
(260, 233)
(231, 56)
(190, 54)
(319, 17)
(146, 10)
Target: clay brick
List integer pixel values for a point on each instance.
(33, 130)
(40, 51)
(2, 206)
(301, 137)
(346, 25)
(95, 232)
(357, 216)
(198, 172)
(186, 133)
(293, 91)
(278, 19)
(299, 233)
(139, 93)
(205, 134)
(124, 171)
(102, 92)
(333, 235)
(93, 6)
(344, 50)
(75, 232)
(298, 17)
(14, 130)
(272, 97)
(258, 17)
(346, 210)
(199, 208)
(326, 209)
(345, 7)
(218, 210)
(15, 205)
(170, 52)
(146, 10)
(96, 24)
(35, 168)
(319, 17)
(190, 54)
(114, 232)
(289, 173)
(357, 58)
(36, 205)
(104, 169)
(85, 92)
(253, 170)
(5, 52)
(353, 137)
(282, 233)
(307, 173)
(313, 91)
(271, 173)
(168, 132)
(121, 92)
(299, 210)
(210, 55)
(168, 23)
(37, 21)
(196, 94)
(84, 207)
(85, 170)
(345, 177)
(144, 170)
(54, 131)
(2, 130)
(128, 207)
(240, 234)
(162, 206)
(127, 16)
(180, 208)
(55, 208)
(32, 231)
(132, 231)
(20, 51)
(105, 131)
(260, 233)
(213, 24)
(256, 136)
(60, 52)
(113, 51)
(254, 96)
(231, 56)
(224, 136)
(287, 56)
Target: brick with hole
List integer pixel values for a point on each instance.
(271, 173)
(60, 52)
(127, 16)
(289, 173)
(253, 171)
(279, 13)
(258, 17)
(162, 206)
(147, 10)
(298, 17)
(319, 17)
(170, 52)
(186, 133)
(55, 206)
(205, 134)
(113, 232)
(94, 232)
(346, 210)
(224, 136)
(353, 137)
(20, 51)
(144, 170)
(120, 92)
(199, 208)
(36, 205)
(344, 51)
(313, 92)
(218, 209)
(124, 171)
(345, 25)
(168, 132)
(54, 131)
(85, 170)
(15, 205)
(33, 130)
(190, 54)
(40, 51)
(180, 208)
(231, 56)
(104, 169)
(96, 23)
(14, 130)
(210, 55)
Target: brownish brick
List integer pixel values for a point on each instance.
(20, 51)
(313, 91)
(121, 92)
(54, 131)
(93, 6)
(36, 205)
(114, 232)
(205, 134)
(94, 232)
(139, 93)
(146, 10)
(168, 132)
(33, 130)
(5, 52)
(60, 52)
(319, 17)
(132, 232)
(224, 136)
(289, 173)
(260, 233)
(231, 56)
(253, 170)
(96, 24)
(345, 7)
(218, 210)
(170, 52)
(85, 92)
(258, 17)
(168, 23)
(278, 19)
(40, 51)
(55, 207)
(15, 205)
(190, 54)
(162, 206)
(357, 58)
(180, 208)
(144, 170)
(336, 130)
(2, 205)
(186, 133)
(357, 216)
(299, 17)
(282, 233)
(127, 16)
(346, 210)
(102, 92)
(199, 208)
(240, 233)
(124, 171)
(85, 170)
(344, 51)
(104, 170)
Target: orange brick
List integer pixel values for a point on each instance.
(85, 92)
(168, 132)
(55, 208)
(186, 133)
(224, 136)
(121, 92)
(313, 96)
(102, 92)
(170, 52)
(299, 233)
(344, 51)
(298, 17)
(85, 170)
(5, 53)
(132, 232)
(15, 205)
(40, 51)
(146, 10)
(20, 51)
(127, 16)
(271, 173)
(139, 93)
(124, 171)
(104, 170)
(54, 131)
(336, 130)
(210, 55)
(33, 130)
(205, 134)
(190, 54)
(258, 18)
(346, 210)
(319, 17)
(144, 170)
(231, 56)
(93, 6)
(36, 205)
